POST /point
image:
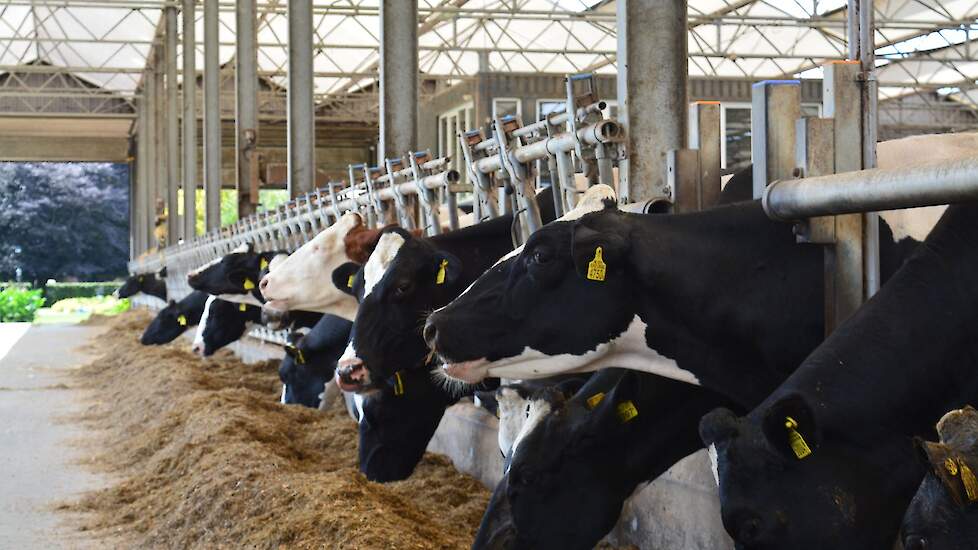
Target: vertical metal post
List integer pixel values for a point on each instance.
(870, 112)
(212, 118)
(398, 77)
(775, 106)
(652, 80)
(189, 121)
(302, 135)
(161, 161)
(704, 137)
(172, 126)
(141, 203)
(246, 103)
(150, 99)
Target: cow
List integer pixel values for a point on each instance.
(943, 514)
(311, 359)
(301, 281)
(221, 323)
(406, 277)
(147, 283)
(234, 277)
(827, 461)
(174, 319)
(572, 472)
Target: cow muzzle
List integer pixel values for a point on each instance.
(352, 375)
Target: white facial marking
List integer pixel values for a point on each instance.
(199, 333)
(628, 350)
(358, 403)
(714, 462)
(241, 299)
(512, 415)
(539, 409)
(349, 354)
(380, 259)
(287, 283)
(283, 395)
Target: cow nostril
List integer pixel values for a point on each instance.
(430, 334)
(263, 284)
(915, 543)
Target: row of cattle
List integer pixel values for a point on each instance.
(637, 340)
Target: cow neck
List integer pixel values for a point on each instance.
(729, 295)
(911, 353)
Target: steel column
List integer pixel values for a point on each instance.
(172, 126)
(212, 118)
(775, 106)
(301, 144)
(161, 170)
(652, 80)
(189, 122)
(140, 229)
(246, 104)
(152, 161)
(398, 77)
(870, 112)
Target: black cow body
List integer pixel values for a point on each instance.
(943, 515)
(310, 360)
(174, 319)
(425, 273)
(884, 375)
(147, 283)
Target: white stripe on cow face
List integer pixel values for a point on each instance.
(512, 409)
(629, 350)
(198, 344)
(282, 400)
(380, 259)
(240, 249)
(539, 410)
(714, 462)
(358, 403)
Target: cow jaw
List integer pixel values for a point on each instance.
(470, 372)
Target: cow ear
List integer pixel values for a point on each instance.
(344, 277)
(790, 427)
(172, 303)
(487, 400)
(719, 426)
(448, 268)
(598, 254)
(161, 273)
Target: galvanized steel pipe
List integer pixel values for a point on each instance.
(605, 131)
(869, 190)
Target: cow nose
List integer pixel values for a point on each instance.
(915, 543)
(430, 333)
(263, 284)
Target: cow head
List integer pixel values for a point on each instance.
(301, 281)
(234, 273)
(542, 308)
(785, 484)
(943, 515)
(133, 285)
(404, 278)
(169, 323)
(302, 384)
(223, 322)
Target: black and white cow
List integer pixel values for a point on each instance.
(943, 515)
(827, 461)
(234, 277)
(174, 319)
(310, 360)
(147, 283)
(221, 323)
(572, 472)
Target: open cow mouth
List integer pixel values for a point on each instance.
(276, 307)
(470, 372)
(352, 376)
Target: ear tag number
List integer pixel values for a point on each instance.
(263, 264)
(440, 278)
(594, 400)
(182, 320)
(398, 384)
(249, 284)
(349, 282)
(797, 442)
(243, 307)
(596, 268)
(626, 411)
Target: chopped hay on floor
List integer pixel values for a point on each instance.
(207, 458)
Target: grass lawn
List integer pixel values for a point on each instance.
(48, 316)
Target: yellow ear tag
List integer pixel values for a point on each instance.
(140, 278)
(626, 411)
(398, 384)
(797, 442)
(596, 268)
(440, 278)
(349, 282)
(951, 466)
(968, 478)
(264, 264)
(594, 400)
(299, 357)
(248, 284)
(243, 307)
(182, 320)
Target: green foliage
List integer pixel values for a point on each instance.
(59, 291)
(268, 199)
(100, 305)
(19, 305)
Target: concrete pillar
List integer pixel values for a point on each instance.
(160, 112)
(398, 77)
(141, 199)
(189, 121)
(152, 161)
(652, 77)
(246, 103)
(172, 125)
(212, 118)
(302, 135)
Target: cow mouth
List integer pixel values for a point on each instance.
(470, 372)
(352, 376)
(275, 307)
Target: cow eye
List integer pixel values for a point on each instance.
(403, 288)
(540, 257)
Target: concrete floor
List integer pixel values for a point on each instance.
(38, 463)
